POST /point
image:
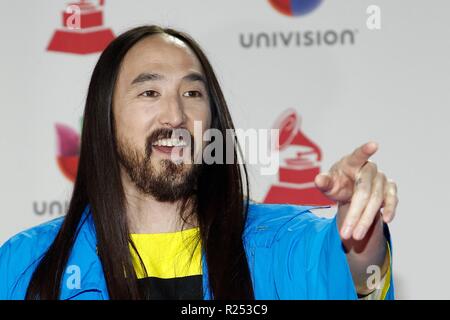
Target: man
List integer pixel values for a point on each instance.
(142, 225)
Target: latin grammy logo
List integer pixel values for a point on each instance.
(301, 165)
(82, 31)
(68, 150)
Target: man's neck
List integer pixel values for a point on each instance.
(148, 215)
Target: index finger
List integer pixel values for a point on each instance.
(361, 155)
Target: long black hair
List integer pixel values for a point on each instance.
(221, 201)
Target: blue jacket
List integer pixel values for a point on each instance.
(292, 254)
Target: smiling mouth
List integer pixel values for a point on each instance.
(167, 146)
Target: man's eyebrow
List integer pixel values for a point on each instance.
(143, 77)
(195, 76)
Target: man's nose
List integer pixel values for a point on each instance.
(172, 113)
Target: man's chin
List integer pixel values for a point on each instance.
(166, 170)
(161, 166)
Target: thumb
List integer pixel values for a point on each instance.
(324, 182)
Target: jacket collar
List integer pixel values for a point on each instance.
(84, 258)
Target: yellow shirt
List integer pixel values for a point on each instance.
(172, 264)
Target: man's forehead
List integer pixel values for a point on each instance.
(161, 53)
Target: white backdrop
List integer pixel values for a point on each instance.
(390, 85)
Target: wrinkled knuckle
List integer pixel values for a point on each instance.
(392, 191)
(365, 195)
(377, 195)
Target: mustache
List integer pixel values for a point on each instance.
(166, 133)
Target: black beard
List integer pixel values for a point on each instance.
(170, 184)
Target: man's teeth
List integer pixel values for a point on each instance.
(170, 143)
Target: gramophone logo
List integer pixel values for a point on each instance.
(68, 150)
(300, 164)
(82, 31)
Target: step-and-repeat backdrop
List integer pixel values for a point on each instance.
(335, 73)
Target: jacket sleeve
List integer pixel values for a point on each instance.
(317, 266)
(4, 272)
(328, 263)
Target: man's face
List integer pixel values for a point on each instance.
(160, 88)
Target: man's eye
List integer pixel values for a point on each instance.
(150, 94)
(192, 94)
